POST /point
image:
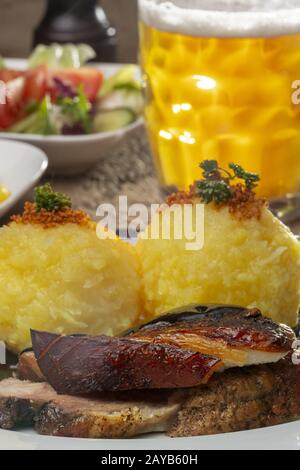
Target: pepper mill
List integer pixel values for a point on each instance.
(78, 21)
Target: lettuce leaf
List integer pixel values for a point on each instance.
(61, 56)
(39, 122)
(125, 77)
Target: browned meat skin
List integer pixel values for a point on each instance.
(108, 416)
(28, 368)
(16, 412)
(235, 400)
(238, 336)
(81, 365)
(237, 327)
(242, 399)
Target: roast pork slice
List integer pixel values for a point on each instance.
(23, 403)
(241, 399)
(235, 400)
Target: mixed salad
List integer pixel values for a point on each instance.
(59, 94)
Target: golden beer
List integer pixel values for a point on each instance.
(228, 97)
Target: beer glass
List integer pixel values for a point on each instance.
(220, 80)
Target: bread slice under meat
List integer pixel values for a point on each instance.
(235, 400)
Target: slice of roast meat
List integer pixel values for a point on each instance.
(114, 416)
(82, 365)
(241, 399)
(236, 400)
(21, 401)
(238, 336)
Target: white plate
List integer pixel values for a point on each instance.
(21, 166)
(284, 437)
(70, 155)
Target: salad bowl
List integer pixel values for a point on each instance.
(75, 154)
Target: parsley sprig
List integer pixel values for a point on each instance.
(213, 191)
(251, 180)
(46, 198)
(216, 185)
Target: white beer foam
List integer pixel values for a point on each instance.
(223, 18)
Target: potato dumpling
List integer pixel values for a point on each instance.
(247, 262)
(64, 279)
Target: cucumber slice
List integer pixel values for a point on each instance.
(111, 120)
(134, 85)
(125, 76)
(22, 126)
(123, 97)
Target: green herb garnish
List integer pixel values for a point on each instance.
(210, 168)
(251, 179)
(46, 198)
(217, 183)
(213, 191)
(78, 109)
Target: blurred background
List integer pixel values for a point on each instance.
(20, 17)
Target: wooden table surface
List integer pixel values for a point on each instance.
(127, 171)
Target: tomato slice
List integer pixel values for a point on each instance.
(11, 106)
(21, 89)
(91, 79)
(36, 84)
(8, 116)
(8, 75)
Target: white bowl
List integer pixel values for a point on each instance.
(21, 167)
(70, 155)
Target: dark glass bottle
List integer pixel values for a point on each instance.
(78, 21)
